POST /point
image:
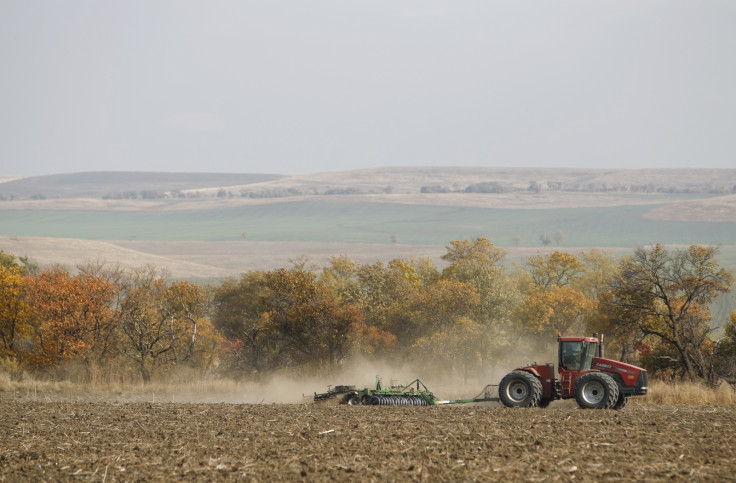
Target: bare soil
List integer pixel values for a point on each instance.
(112, 441)
(721, 209)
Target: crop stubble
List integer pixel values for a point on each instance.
(110, 441)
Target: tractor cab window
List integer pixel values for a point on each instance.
(577, 355)
(591, 350)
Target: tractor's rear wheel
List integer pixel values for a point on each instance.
(520, 389)
(622, 401)
(596, 390)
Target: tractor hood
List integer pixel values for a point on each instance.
(632, 376)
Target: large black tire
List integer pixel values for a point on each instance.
(520, 389)
(596, 390)
(622, 401)
(352, 400)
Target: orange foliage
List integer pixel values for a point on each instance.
(73, 315)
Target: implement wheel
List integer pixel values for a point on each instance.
(520, 389)
(596, 390)
(353, 400)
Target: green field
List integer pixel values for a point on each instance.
(621, 226)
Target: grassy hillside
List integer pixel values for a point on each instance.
(357, 221)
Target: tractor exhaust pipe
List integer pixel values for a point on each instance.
(600, 344)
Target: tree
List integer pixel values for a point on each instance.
(185, 305)
(480, 269)
(598, 269)
(558, 269)
(457, 347)
(444, 336)
(558, 237)
(443, 303)
(8, 260)
(481, 249)
(555, 311)
(163, 325)
(725, 352)
(15, 309)
(252, 345)
(73, 316)
(319, 331)
(386, 294)
(665, 294)
(342, 277)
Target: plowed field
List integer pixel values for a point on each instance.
(93, 441)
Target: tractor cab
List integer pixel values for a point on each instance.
(577, 353)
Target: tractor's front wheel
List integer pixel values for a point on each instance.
(520, 389)
(596, 390)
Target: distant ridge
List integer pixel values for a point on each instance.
(102, 183)
(386, 180)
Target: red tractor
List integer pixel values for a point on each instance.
(594, 382)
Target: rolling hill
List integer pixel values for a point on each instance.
(216, 224)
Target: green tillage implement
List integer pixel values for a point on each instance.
(413, 394)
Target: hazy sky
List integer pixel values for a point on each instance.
(299, 86)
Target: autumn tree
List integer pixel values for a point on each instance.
(386, 292)
(725, 352)
(8, 260)
(341, 276)
(481, 250)
(163, 325)
(443, 303)
(559, 310)
(455, 348)
(251, 344)
(599, 267)
(557, 269)
(15, 309)
(318, 329)
(478, 265)
(555, 301)
(185, 305)
(442, 321)
(665, 294)
(73, 316)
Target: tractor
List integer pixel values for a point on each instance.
(594, 382)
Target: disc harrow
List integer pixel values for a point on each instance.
(397, 401)
(413, 394)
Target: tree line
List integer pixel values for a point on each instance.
(465, 319)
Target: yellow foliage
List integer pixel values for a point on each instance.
(15, 311)
(555, 311)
